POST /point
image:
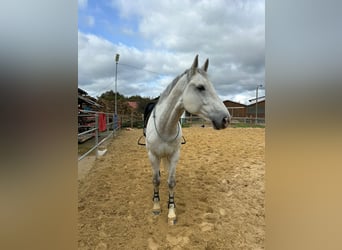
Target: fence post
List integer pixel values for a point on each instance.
(132, 119)
(97, 133)
(115, 120)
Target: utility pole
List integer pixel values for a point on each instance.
(117, 56)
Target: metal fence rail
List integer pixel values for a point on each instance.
(248, 120)
(91, 127)
(197, 121)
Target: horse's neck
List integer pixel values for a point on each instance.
(170, 110)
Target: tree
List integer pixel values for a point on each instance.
(107, 99)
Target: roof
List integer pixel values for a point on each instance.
(82, 92)
(237, 103)
(89, 101)
(261, 97)
(254, 103)
(133, 105)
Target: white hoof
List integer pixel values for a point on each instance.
(172, 221)
(171, 217)
(156, 208)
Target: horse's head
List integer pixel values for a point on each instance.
(200, 98)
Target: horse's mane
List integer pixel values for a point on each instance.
(169, 88)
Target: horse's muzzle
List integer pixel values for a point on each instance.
(221, 123)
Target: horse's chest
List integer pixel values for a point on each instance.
(164, 149)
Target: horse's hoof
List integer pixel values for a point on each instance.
(172, 221)
(171, 217)
(156, 212)
(156, 209)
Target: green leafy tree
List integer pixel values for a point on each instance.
(107, 100)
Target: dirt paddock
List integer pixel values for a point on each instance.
(219, 194)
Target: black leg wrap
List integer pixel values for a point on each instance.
(171, 202)
(156, 196)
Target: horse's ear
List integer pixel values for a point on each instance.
(194, 66)
(205, 65)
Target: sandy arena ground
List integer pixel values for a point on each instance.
(219, 194)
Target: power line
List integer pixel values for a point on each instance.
(139, 68)
(131, 66)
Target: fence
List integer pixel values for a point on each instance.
(194, 121)
(132, 120)
(248, 120)
(95, 124)
(137, 121)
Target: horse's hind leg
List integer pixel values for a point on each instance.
(155, 162)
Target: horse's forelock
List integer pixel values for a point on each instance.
(201, 71)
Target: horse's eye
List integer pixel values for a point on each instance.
(200, 88)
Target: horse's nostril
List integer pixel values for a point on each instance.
(225, 121)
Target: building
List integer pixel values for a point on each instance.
(241, 110)
(86, 121)
(235, 109)
(133, 105)
(256, 109)
(86, 102)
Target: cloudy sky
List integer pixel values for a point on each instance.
(158, 40)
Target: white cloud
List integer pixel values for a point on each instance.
(229, 33)
(82, 4)
(96, 67)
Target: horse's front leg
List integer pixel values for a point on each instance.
(172, 163)
(155, 162)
